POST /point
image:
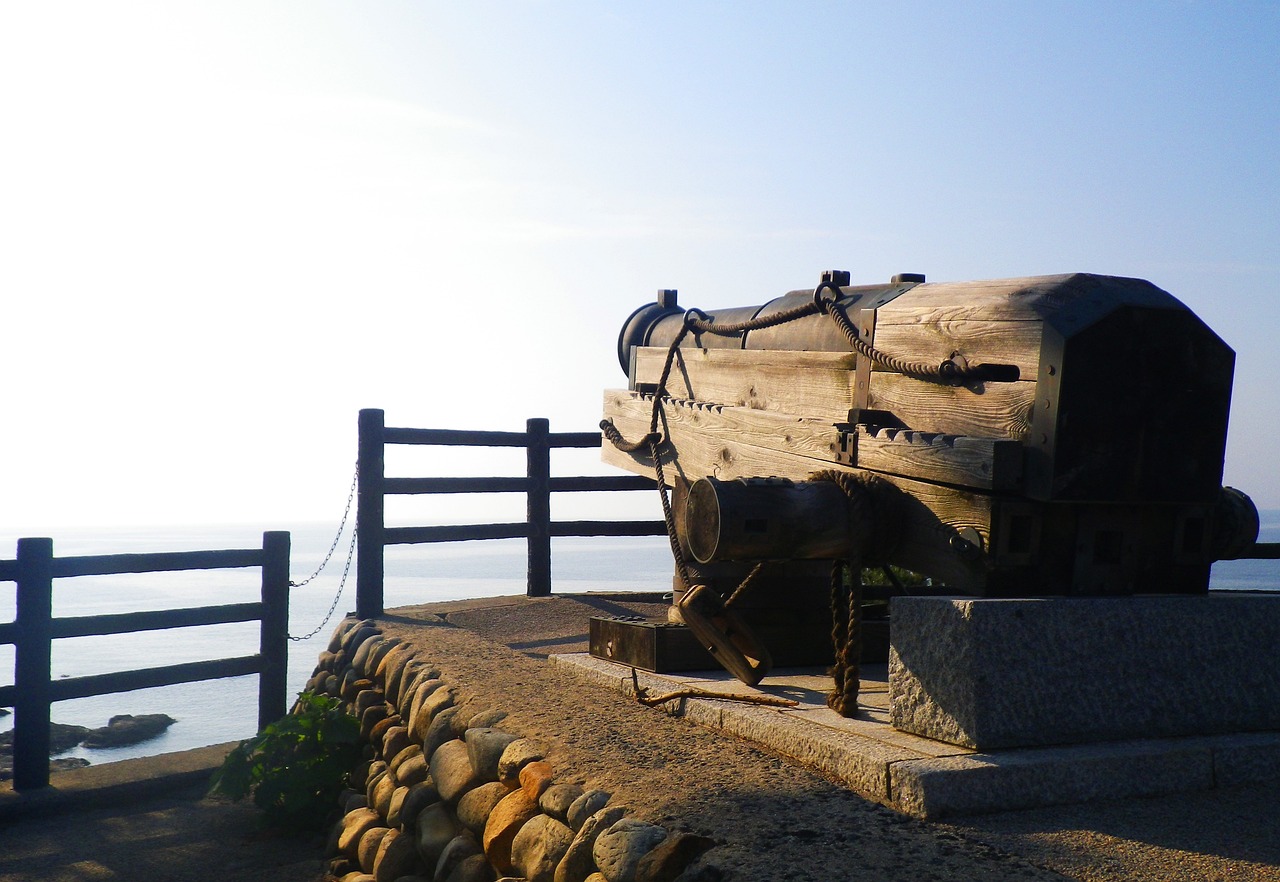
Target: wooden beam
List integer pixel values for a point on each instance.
(815, 438)
(131, 622)
(988, 410)
(933, 515)
(984, 464)
(980, 463)
(155, 562)
(926, 335)
(816, 384)
(148, 678)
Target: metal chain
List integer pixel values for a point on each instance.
(351, 551)
(355, 482)
(346, 569)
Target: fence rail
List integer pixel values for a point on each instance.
(537, 484)
(34, 629)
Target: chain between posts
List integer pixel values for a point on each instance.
(346, 569)
(342, 584)
(342, 525)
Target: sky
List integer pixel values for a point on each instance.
(226, 227)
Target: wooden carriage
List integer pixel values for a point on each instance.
(1077, 449)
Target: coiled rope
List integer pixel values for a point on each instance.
(873, 526)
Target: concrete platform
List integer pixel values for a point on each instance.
(932, 779)
(993, 674)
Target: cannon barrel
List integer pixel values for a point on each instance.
(767, 518)
(754, 519)
(658, 323)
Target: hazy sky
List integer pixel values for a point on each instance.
(226, 227)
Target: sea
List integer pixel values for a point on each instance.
(218, 711)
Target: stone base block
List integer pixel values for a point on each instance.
(987, 673)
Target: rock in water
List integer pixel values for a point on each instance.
(55, 765)
(127, 729)
(62, 737)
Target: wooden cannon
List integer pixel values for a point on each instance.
(1055, 435)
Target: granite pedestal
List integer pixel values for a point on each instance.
(989, 674)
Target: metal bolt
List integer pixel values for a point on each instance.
(967, 544)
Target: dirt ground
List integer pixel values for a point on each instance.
(178, 837)
(1213, 836)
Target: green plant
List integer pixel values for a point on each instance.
(295, 767)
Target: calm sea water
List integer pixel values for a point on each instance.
(226, 710)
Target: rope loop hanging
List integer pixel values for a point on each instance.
(873, 521)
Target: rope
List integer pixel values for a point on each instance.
(742, 588)
(698, 321)
(846, 636)
(873, 524)
(947, 373)
(669, 517)
(869, 532)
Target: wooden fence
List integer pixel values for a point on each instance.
(34, 629)
(537, 484)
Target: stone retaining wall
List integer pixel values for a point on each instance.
(446, 795)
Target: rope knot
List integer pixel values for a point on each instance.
(874, 525)
(695, 319)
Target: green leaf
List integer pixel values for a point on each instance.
(295, 767)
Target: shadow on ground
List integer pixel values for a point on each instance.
(179, 837)
(1229, 833)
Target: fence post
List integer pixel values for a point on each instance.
(537, 435)
(369, 514)
(33, 648)
(273, 641)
